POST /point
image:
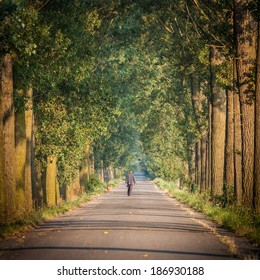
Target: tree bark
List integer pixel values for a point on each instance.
(20, 158)
(198, 164)
(2, 166)
(257, 131)
(101, 172)
(245, 31)
(218, 125)
(192, 164)
(203, 157)
(39, 191)
(238, 150)
(23, 154)
(197, 98)
(237, 140)
(91, 164)
(229, 176)
(51, 172)
(207, 187)
(74, 190)
(84, 172)
(208, 174)
(111, 173)
(29, 150)
(8, 138)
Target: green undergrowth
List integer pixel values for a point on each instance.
(238, 219)
(39, 216)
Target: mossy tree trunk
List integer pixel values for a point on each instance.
(84, 172)
(23, 155)
(29, 151)
(91, 164)
(20, 158)
(74, 190)
(8, 140)
(218, 125)
(38, 185)
(111, 173)
(51, 182)
(101, 172)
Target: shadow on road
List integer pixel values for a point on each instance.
(119, 249)
(115, 226)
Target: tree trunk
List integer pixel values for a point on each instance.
(218, 126)
(111, 173)
(23, 154)
(20, 159)
(257, 131)
(74, 190)
(196, 97)
(91, 164)
(238, 150)
(208, 174)
(198, 164)
(229, 151)
(51, 171)
(39, 193)
(245, 28)
(101, 172)
(84, 172)
(203, 163)
(207, 186)
(2, 166)
(29, 150)
(192, 164)
(8, 139)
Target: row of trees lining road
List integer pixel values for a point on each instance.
(90, 87)
(56, 100)
(209, 86)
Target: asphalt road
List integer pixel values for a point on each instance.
(146, 225)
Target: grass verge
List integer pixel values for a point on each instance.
(238, 219)
(37, 217)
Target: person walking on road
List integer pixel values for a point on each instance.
(130, 182)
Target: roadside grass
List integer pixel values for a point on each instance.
(238, 219)
(39, 216)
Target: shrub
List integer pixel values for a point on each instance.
(93, 184)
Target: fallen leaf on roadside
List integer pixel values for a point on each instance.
(41, 233)
(105, 232)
